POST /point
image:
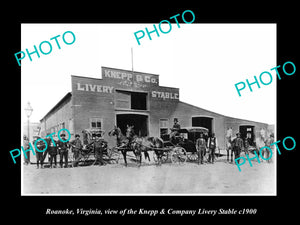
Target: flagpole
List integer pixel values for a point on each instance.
(132, 59)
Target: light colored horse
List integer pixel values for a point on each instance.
(261, 141)
(229, 139)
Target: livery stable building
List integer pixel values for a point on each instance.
(124, 97)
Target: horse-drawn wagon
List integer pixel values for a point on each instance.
(175, 148)
(184, 143)
(87, 154)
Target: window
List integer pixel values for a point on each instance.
(163, 128)
(131, 100)
(139, 101)
(95, 123)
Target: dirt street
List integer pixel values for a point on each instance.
(189, 178)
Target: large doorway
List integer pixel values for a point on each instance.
(247, 131)
(202, 121)
(140, 123)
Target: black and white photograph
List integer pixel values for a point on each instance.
(177, 113)
(141, 113)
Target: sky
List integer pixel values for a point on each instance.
(204, 61)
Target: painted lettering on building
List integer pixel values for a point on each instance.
(164, 95)
(131, 79)
(95, 88)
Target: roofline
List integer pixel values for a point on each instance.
(202, 109)
(229, 117)
(67, 96)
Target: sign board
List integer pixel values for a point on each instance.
(128, 78)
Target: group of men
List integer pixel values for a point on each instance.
(62, 147)
(204, 143)
(238, 145)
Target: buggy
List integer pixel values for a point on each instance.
(183, 145)
(87, 154)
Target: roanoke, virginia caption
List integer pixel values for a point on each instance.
(152, 212)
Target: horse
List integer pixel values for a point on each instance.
(229, 140)
(122, 141)
(143, 144)
(260, 141)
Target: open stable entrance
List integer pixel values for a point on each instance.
(140, 123)
(202, 121)
(247, 131)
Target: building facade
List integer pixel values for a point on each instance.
(124, 97)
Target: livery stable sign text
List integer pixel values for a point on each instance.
(109, 89)
(114, 79)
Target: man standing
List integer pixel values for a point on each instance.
(99, 145)
(63, 150)
(39, 147)
(237, 145)
(52, 151)
(266, 152)
(201, 148)
(77, 146)
(212, 145)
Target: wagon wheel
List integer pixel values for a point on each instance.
(193, 156)
(85, 157)
(113, 155)
(155, 157)
(178, 155)
(164, 157)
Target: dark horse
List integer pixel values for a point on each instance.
(131, 142)
(122, 141)
(143, 144)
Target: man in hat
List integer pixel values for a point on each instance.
(237, 146)
(39, 147)
(175, 131)
(266, 153)
(176, 125)
(99, 145)
(77, 146)
(212, 145)
(52, 151)
(201, 148)
(63, 150)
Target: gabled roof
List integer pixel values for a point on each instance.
(64, 99)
